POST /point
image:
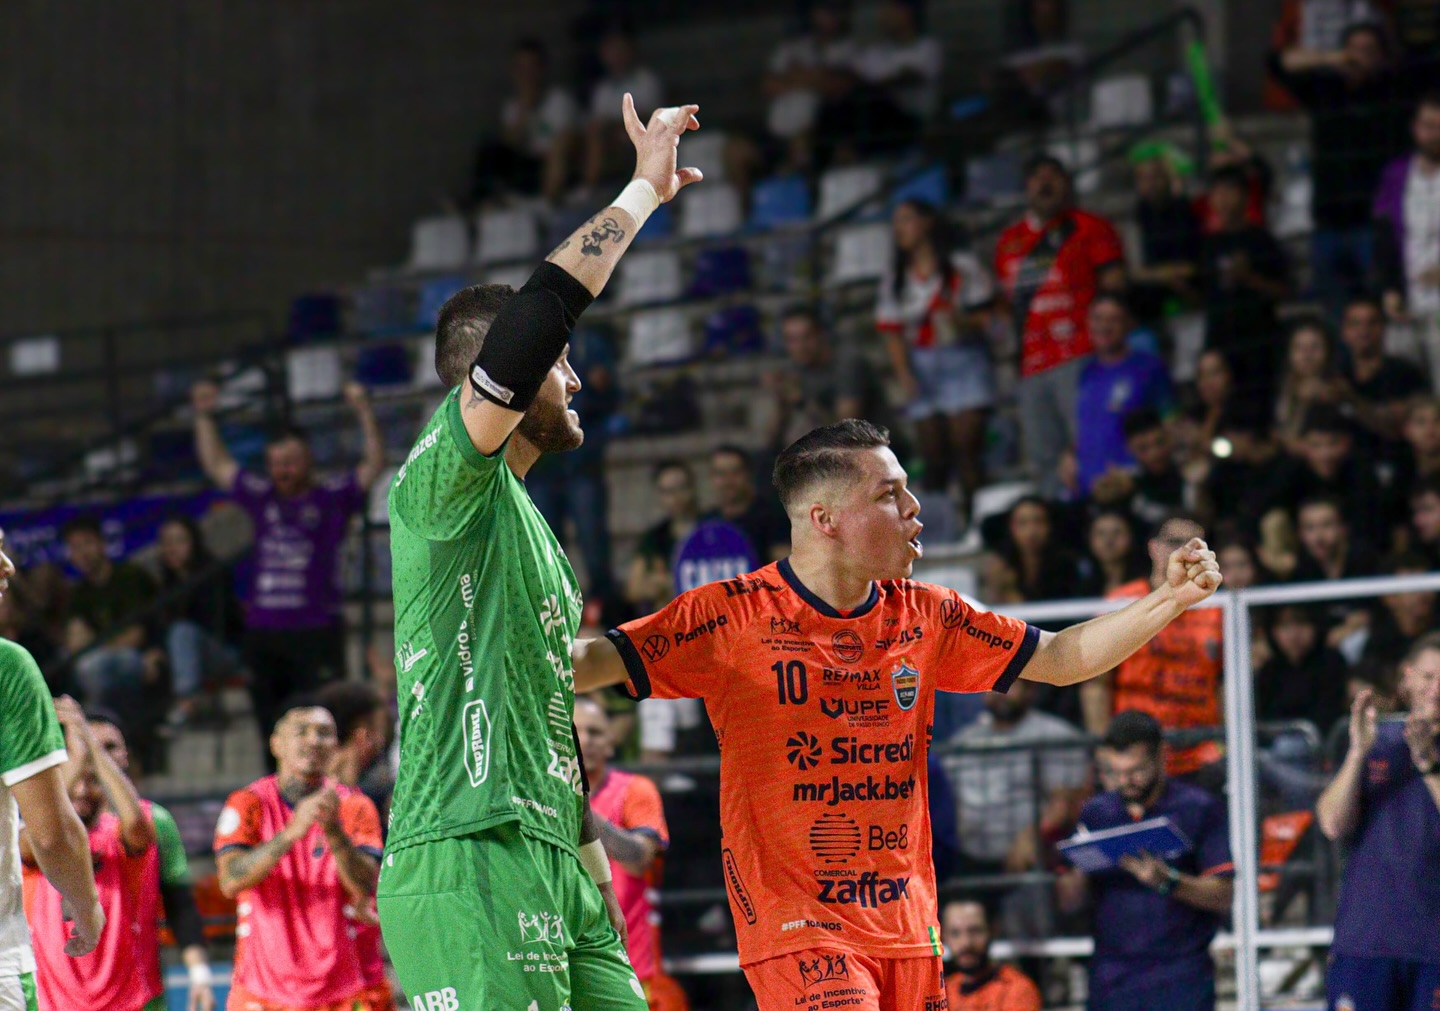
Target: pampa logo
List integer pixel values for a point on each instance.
(475, 725)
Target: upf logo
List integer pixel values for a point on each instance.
(443, 999)
(655, 648)
(803, 750)
(836, 708)
(541, 928)
(784, 626)
(905, 683)
(822, 969)
(848, 645)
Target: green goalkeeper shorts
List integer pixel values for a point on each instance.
(499, 921)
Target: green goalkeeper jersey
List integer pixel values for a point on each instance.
(486, 607)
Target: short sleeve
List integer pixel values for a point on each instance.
(1213, 846)
(344, 492)
(174, 867)
(446, 484)
(982, 651)
(977, 284)
(679, 652)
(30, 736)
(888, 318)
(251, 490)
(643, 811)
(238, 826)
(361, 823)
(1105, 247)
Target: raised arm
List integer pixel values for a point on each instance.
(219, 466)
(529, 335)
(58, 844)
(1091, 648)
(137, 832)
(372, 459)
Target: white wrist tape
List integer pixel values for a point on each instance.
(592, 856)
(639, 200)
(200, 975)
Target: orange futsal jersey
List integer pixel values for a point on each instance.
(1175, 677)
(824, 723)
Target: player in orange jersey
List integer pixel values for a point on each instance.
(819, 673)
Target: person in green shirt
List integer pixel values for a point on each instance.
(482, 899)
(32, 750)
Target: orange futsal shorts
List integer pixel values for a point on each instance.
(242, 1000)
(664, 994)
(828, 978)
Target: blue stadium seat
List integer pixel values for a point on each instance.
(384, 365)
(734, 330)
(720, 271)
(932, 186)
(660, 225)
(433, 295)
(780, 201)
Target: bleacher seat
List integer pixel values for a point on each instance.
(709, 211)
(508, 234)
(1120, 101)
(433, 296)
(514, 275)
(650, 276)
(380, 309)
(313, 373)
(383, 365)
(931, 186)
(780, 201)
(423, 376)
(34, 356)
(439, 243)
(994, 178)
(842, 188)
(706, 151)
(862, 252)
(734, 330)
(1081, 155)
(660, 225)
(720, 271)
(996, 499)
(660, 336)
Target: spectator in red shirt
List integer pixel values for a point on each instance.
(1050, 264)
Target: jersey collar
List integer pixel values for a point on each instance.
(805, 594)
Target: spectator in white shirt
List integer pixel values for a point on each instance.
(807, 71)
(934, 311)
(537, 132)
(605, 138)
(1407, 218)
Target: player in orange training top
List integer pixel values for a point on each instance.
(819, 673)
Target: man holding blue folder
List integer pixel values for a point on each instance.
(1154, 919)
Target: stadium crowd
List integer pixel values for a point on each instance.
(1301, 438)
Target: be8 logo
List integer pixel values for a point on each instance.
(895, 839)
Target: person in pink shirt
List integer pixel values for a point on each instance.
(632, 827)
(301, 854)
(123, 973)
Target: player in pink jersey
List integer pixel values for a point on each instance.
(632, 826)
(123, 973)
(364, 727)
(300, 852)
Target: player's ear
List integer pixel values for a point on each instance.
(822, 519)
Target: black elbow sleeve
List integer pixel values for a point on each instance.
(527, 337)
(183, 915)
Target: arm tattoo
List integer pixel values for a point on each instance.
(242, 865)
(608, 230)
(624, 847)
(564, 244)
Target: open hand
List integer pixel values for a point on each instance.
(656, 144)
(1364, 715)
(1193, 573)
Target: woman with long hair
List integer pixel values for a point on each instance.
(1311, 375)
(1114, 555)
(1196, 427)
(1030, 563)
(934, 313)
(202, 617)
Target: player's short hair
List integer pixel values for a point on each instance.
(1174, 516)
(1042, 160)
(100, 714)
(85, 523)
(300, 700)
(460, 330)
(352, 703)
(1131, 727)
(1365, 299)
(822, 455)
(669, 464)
(730, 449)
(1230, 175)
(591, 700)
(1115, 298)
